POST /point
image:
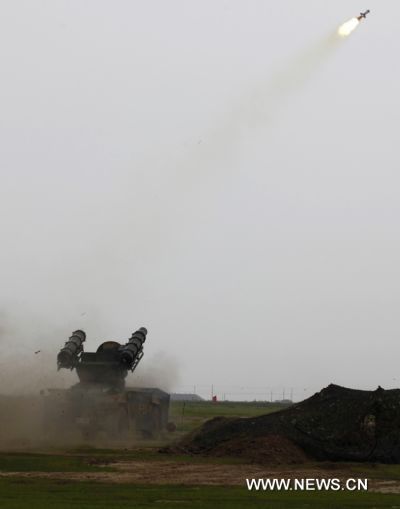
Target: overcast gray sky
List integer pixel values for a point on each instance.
(152, 174)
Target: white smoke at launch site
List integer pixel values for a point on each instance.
(28, 352)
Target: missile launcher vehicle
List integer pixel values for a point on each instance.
(99, 405)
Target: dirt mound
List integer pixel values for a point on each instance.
(334, 424)
(271, 449)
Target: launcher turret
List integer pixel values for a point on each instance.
(109, 365)
(69, 355)
(132, 352)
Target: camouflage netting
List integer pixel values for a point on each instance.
(335, 424)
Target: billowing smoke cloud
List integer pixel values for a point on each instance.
(28, 353)
(160, 370)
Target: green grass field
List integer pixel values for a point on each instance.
(189, 415)
(28, 462)
(40, 494)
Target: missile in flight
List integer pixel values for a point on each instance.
(363, 15)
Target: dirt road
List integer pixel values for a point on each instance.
(177, 472)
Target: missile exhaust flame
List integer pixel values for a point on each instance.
(347, 28)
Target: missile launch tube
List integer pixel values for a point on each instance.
(132, 352)
(69, 354)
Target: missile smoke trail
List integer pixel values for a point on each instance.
(259, 107)
(203, 167)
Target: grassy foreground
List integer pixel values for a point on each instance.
(28, 462)
(18, 492)
(43, 494)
